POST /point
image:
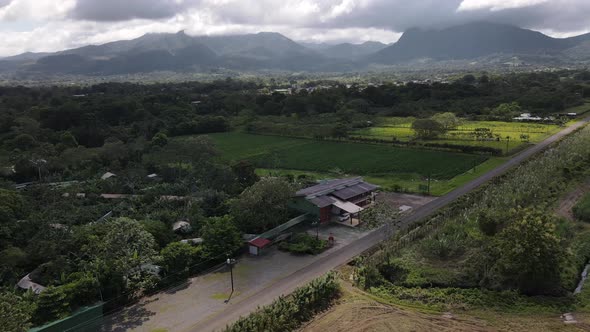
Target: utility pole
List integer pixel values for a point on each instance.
(507, 142)
(317, 229)
(231, 262)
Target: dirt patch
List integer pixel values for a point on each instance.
(357, 312)
(569, 201)
(397, 200)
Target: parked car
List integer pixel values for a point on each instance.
(344, 217)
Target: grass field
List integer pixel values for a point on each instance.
(400, 129)
(334, 157)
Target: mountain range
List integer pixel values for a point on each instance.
(273, 51)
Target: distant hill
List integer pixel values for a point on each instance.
(164, 51)
(347, 50)
(471, 41)
(486, 43)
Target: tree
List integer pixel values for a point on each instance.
(531, 254)
(468, 79)
(506, 111)
(12, 208)
(115, 250)
(448, 120)
(339, 131)
(160, 231)
(178, 257)
(263, 205)
(53, 304)
(68, 140)
(245, 172)
(427, 128)
(220, 236)
(24, 142)
(15, 313)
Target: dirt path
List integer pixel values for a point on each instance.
(568, 201)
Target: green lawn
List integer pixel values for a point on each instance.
(352, 158)
(400, 129)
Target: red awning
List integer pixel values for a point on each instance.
(260, 242)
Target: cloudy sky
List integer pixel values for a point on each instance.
(50, 25)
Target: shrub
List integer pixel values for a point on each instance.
(582, 209)
(287, 313)
(304, 243)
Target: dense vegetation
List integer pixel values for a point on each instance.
(69, 234)
(582, 209)
(288, 313)
(502, 238)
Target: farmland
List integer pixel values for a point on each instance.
(506, 135)
(354, 158)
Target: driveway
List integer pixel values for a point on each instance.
(203, 297)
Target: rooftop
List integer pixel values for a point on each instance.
(337, 189)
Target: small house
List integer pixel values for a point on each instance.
(107, 175)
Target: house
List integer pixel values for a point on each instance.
(527, 117)
(27, 283)
(182, 227)
(107, 175)
(339, 199)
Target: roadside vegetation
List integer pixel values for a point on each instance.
(289, 312)
(499, 248)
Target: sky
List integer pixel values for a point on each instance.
(52, 25)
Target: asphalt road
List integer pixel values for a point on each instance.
(342, 256)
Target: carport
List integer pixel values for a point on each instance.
(352, 209)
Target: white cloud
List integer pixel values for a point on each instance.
(495, 5)
(35, 9)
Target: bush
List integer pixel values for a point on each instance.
(287, 313)
(304, 243)
(582, 209)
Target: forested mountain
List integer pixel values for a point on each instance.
(273, 51)
(472, 41)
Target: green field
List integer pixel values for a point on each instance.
(342, 157)
(400, 129)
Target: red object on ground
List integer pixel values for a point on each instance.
(260, 242)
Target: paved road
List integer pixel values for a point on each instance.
(342, 256)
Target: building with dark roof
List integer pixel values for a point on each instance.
(335, 199)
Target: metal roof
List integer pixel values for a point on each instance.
(328, 186)
(322, 201)
(355, 190)
(328, 192)
(260, 242)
